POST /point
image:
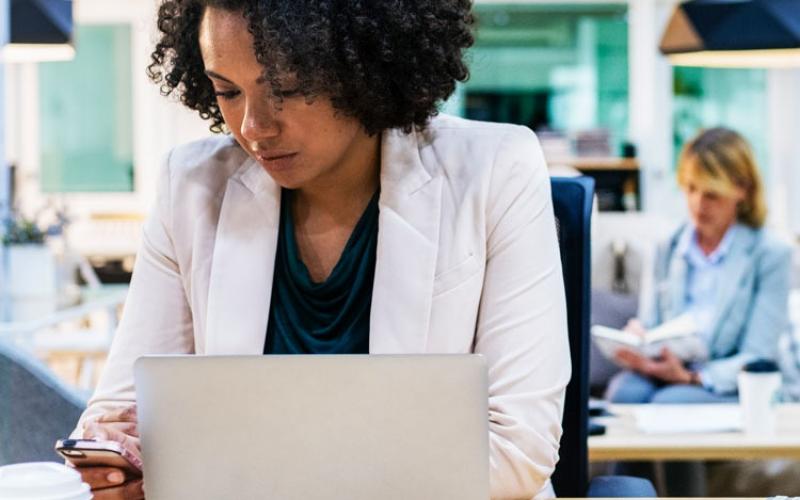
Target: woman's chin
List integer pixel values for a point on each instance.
(286, 180)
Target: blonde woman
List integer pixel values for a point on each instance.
(723, 268)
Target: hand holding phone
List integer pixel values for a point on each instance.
(94, 453)
(110, 448)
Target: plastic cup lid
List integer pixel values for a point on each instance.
(42, 481)
(761, 366)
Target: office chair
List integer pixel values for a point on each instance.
(35, 408)
(572, 205)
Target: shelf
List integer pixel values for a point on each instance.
(596, 163)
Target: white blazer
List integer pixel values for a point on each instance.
(467, 261)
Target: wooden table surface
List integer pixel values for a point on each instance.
(623, 441)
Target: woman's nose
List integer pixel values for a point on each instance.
(259, 121)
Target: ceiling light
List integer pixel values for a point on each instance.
(40, 30)
(734, 33)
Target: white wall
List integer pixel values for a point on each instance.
(3, 165)
(4, 180)
(650, 104)
(783, 90)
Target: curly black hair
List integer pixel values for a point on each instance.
(388, 63)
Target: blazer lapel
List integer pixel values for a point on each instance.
(678, 272)
(242, 266)
(733, 268)
(408, 235)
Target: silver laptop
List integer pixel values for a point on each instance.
(404, 427)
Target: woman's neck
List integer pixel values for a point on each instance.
(709, 240)
(346, 191)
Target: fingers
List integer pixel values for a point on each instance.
(652, 369)
(635, 326)
(630, 358)
(623, 357)
(668, 367)
(101, 477)
(104, 432)
(669, 361)
(122, 419)
(125, 414)
(129, 428)
(132, 490)
(113, 425)
(639, 363)
(669, 357)
(93, 430)
(108, 432)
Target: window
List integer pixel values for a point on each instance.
(734, 98)
(561, 67)
(86, 115)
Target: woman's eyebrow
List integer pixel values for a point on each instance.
(217, 76)
(213, 74)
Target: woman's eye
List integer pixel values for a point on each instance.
(228, 94)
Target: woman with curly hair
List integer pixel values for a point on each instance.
(337, 213)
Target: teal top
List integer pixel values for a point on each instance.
(331, 317)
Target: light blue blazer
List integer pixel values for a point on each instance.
(751, 310)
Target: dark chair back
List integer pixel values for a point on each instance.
(572, 204)
(35, 408)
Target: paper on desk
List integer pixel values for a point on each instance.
(672, 419)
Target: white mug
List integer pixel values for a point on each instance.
(759, 383)
(42, 481)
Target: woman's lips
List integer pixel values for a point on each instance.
(276, 162)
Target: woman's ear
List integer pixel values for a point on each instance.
(740, 194)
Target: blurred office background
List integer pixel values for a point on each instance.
(84, 132)
(85, 135)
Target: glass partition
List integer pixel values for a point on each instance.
(558, 67)
(734, 98)
(85, 114)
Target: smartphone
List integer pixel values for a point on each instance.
(91, 452)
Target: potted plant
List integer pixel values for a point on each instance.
(30, 267)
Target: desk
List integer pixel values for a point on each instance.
(623, 441)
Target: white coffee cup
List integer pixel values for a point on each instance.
(42, 481)
(759, 383)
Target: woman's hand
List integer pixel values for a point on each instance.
(121, 426)
(667, 368)
(636, 327)
(133, 489)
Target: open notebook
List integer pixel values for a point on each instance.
(680, 335)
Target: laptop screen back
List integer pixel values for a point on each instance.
(314, 427)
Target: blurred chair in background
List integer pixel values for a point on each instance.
(623, 251)
(36, 408)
